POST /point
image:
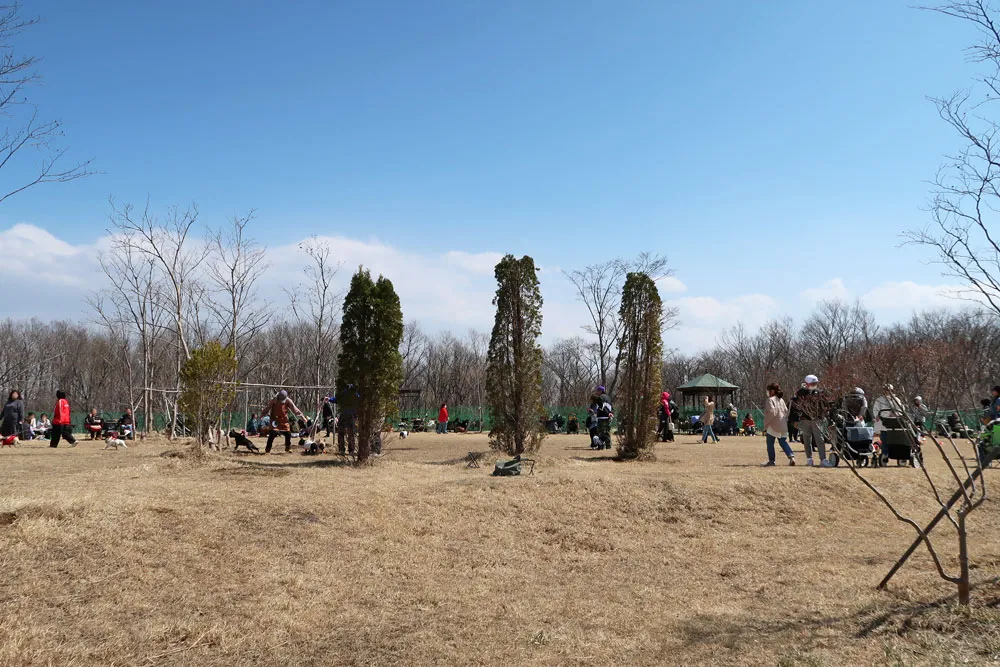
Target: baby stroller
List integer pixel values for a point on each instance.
(899, 442)
(853, 443)
(989, 444)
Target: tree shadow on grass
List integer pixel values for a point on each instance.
(483, 461)
(885, 618)
(303, 462)
(599, 459)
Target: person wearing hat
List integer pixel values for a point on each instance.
(812, 407)
(278, 408)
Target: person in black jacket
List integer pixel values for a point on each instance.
(812, 405)
(329, 423)
(12, 415)
(93, 424)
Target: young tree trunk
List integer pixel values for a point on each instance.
(963, 561)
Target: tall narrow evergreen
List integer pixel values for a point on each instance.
(371, 368)
(514, 360)
(640, 353)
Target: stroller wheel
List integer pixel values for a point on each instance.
(883, 461)
(835, 460)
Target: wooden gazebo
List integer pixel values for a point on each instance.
(707, 385)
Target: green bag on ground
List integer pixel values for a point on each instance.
(507, 468)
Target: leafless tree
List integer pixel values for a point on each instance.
(24, 130)
(414, 352)
(176, 258)
(963, 233)
(235, 265)
(128, 308)
(316, 302)
(971, 494)
(599, 287)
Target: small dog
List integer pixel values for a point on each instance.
(114, 442)
(312, 448)
(403, 435)
(242, 440)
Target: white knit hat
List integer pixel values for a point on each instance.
(811, 379)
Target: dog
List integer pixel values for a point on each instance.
(114, 442)
(9, 441)
(312, 448)
(403, 435)
(242, 440)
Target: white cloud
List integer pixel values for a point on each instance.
(671, 285)
(480, 263)
(703, 318)
(831, 290)
(36, 256)
(910, 296)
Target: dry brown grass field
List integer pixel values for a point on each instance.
(699, 558)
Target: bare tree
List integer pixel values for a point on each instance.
(599, 287)
(176, 258)
(971, 494)
(414, 352)
(319, 305)
(24, 130)
(237, 263)
(963, 233)
(129, 304)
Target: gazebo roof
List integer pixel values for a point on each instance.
(705, 382)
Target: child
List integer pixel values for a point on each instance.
(62, 427)
(749, 426)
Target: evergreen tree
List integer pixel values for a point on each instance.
(640, 353)
(371, 368)
(206, 386)
(514, 360)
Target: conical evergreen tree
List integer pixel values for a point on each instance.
(514, 360)
(641, 357)
(371, 368)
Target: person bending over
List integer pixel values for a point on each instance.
(278, 409)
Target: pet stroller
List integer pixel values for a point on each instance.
(853, 443)
(900, 443)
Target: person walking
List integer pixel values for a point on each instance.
(666, 418)
(13, 415)
(329, 421)
(776, 424)
(605, 412)
(812, 407)
(442, 423)
(62, 425)
(278, 408)
(708, 421)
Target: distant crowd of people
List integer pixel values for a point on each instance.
(16, 424)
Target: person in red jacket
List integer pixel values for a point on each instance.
(442, 425)
(62, 427)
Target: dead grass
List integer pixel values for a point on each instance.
(130, 558)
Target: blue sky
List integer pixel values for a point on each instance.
(783, 145)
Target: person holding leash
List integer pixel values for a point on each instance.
(278, 409)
